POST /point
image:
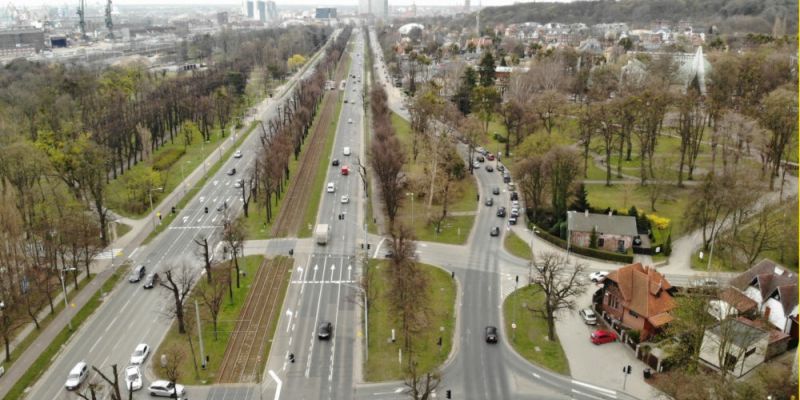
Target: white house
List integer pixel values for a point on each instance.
(735, 345)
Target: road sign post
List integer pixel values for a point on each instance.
(626, 370)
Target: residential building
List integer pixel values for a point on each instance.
(639, 298)
(614, 232)
(736, 345)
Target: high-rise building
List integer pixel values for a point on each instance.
(364, 7)
(248, 8)
(379, 8)
(272, 11)
(466, 6)
(261, 7)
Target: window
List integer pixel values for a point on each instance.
(749, 352)
(633, 314)
(730, 361)
(600, 242)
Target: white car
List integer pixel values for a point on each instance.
(133, 378)
(237, 154)
(77, 375)
(140, 354)
(331, 187)
(598, 276)
(166, 389)
(345, 199)
(589, 317)
(349, 120)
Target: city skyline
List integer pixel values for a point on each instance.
(348, 3)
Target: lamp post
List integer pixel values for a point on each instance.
(150, 194)
(412, 206)
(64, 289)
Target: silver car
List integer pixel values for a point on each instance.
(589, 317)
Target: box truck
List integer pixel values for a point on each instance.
(322, 233)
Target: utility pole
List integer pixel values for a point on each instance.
(200, 335)
(82, 18)
(109, 22)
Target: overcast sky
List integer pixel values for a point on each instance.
(279, 2)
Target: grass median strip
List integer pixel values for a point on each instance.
(45, 359)
(517, 246)
(383, 354)
(529, 339)
(191, 193)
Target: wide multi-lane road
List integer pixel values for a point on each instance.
(133, 315)
(324, 280)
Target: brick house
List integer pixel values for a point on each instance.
(614, 232)
(638, 298)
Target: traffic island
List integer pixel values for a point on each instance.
(527, 332)
(431, 344)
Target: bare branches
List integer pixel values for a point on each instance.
(178, 282)
(559, 281)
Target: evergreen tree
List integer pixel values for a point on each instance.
(593, 239)
(667, 250)
(463, 95)
(581, 202)
(486, 69)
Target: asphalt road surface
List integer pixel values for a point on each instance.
(133, 315)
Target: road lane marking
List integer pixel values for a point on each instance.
(586, 395)
(336, 319)
(608, 392)
(278, 384)
(316, 318)
(96, 342)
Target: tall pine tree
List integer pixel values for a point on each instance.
(486, 69)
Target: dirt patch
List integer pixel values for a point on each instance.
(290, 218)
(245, 355)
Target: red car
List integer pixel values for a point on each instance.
(490, 157)
(600, 336)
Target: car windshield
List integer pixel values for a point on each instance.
(132, 375)
(138, 352)
(74, 376)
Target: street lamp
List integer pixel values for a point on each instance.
(64, 289)
(150, 193)
(412, 206)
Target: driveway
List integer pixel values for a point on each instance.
(599, 365)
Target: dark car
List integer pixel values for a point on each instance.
(489, 168)
(512, 220)
(501, 212)
(335, 162)
(500, 167)
(480, 159)
(137, 274)
(232, 171)
(491, 334)
(495, 231)
(221, 207)
(495, 190)
(506, 177)
(514, 196)
(325, 330)
(151, 281)
(489, 202)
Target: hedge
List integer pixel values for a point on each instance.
(594, 253)
(163, 160)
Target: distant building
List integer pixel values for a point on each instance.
(325, 13)
(379, 8)
(58, 41)
(272, 11)
(249, 9)
(22, 38)
(695, 69)
(222, 17)
(261, 8)
(614, 232)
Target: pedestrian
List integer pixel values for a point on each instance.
(291, 358)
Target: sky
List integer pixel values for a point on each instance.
(296, 2)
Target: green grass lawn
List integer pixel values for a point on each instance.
(122, 229)
(455, 230)
(45, 359)
(516, 246)
(531, 332)
(214, 349)
(192, 192)
(624, 196)
(383, 362)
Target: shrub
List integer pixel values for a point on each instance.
(167, 158)
(668, 246)
(635, 335)
(603, 255)
(658, 222)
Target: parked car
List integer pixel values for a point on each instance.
(166, 389)
(137, 274)
(501, 212)
(133, 378)
(514, 203)
(495, 190)
(237, 154)
(77, 375)
(491, 334)
(151, 280)
(476, 165)
(512, 220)
(325, 330)
(589, 317)
(495, 231)
(489, 168)
(506, 177)
(480, 159)
(601, 336)
(232, 172)
(514, 196)
(140, 354)
(490, 157)
(500, 167)
(515, 212)
(489, 202)
(598, 276)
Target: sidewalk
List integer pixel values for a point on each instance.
(127, 244)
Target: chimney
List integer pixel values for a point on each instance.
(586, 213)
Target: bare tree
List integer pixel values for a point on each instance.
(548, 105)
(174, 357)
(563, 170)
(113, 383)
(408, 290)
(533, 178)
(692, 120)
(178, 283)
(212, 295)
(233, 235)
(560, 283)
(205, 252)
(421, 386)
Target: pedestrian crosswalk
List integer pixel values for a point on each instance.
(107, 255)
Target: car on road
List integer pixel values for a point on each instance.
(345, 199)
(221, 207)
(489, 168)
(589, 317)
(491, 334)
(598, 276)
(331, 187)
(349, 120)
(151, 280)
(238, 184)
(345, 101)
(335, 162)
(140, 354)
(501, 212)
(325, 330)
(480, 159)
(500, 167)
(490, 157)
(476, 165)
(137, 274)
(346, 151)
(237, 154)
(77, 375)
(495, 231)
(166, 389)
(601, 336)
(512, 220)
(232, 171)
(489, 202)
(704, 283)
(495, 190)
(133, 378)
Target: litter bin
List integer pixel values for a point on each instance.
(647, 373)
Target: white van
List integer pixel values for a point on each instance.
(346, 151)
(331, 187)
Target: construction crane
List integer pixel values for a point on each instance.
(82, 18)
(109, 23)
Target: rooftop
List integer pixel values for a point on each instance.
(609, 224)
